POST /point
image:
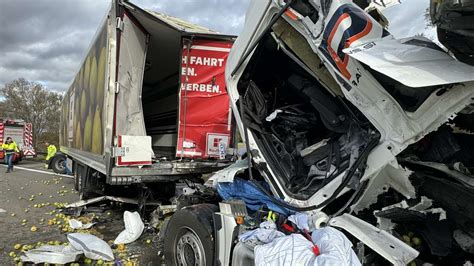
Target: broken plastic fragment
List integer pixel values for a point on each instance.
(75, 224)
(273, 115)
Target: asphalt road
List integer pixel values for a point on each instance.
(29, 198)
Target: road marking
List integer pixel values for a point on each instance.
(40, 171)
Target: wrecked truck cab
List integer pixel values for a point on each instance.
(330, 106)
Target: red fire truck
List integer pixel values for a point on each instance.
(21, 133)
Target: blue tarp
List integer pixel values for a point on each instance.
(250, 194)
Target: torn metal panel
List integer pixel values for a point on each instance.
(82, 203)
(431, 224)
(415, 62)
(227, 174)
(462, 178)
(420, 209)
(465, 240)
(398, 179)
(392, 176)
(382, 242)
(424, 204)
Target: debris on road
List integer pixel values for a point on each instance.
(92, 246)
(76, 224)
(83, 203)
(133, 228)
(58, 254)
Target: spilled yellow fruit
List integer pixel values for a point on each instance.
(34, 228)
(17, 246)
(416, 241)
(121, 247)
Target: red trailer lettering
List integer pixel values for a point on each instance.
(204, 111)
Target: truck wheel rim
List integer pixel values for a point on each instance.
(59, 165)
(189, 249)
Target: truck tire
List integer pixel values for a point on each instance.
(189, 236)
(58, 164)
(81, 179)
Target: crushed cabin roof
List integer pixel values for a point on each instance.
(180, 24)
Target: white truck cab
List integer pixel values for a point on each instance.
(344, 121)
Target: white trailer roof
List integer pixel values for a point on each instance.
(180, 24)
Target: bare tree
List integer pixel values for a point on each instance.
(2, 109)
(427, 15)
(33, 103)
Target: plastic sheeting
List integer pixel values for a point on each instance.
(92, 246)
(51, 254)
(249, 193)
(294, 249)
(265, 234)
(301, 220)
(287, 250)
(335, 248)
(133, 228)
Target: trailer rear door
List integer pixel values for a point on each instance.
(204, 128)
(133, 146)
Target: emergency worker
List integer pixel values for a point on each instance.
(51, 153)
(10, 148)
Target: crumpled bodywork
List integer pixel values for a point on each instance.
(328, 125)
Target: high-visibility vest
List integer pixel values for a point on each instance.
(10, 147)
(51, 151)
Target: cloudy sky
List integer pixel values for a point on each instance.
(45, 40)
